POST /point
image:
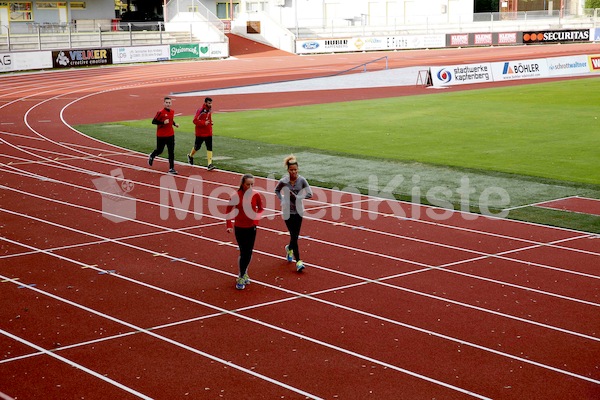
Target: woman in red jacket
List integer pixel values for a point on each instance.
(247, 208)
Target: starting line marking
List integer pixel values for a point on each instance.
(24, 286)
(108, 272)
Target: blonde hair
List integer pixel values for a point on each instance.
(290, 160)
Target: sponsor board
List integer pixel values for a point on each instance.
(22, 61)
(215, 50)
(573, 35)
(594, 63)
(371, 43)
(521, 69)
(482, 39)
(568, 66)
(507, 38)
(6, 62)
(81, 58)
(140, 54)
(180, 51)
(459, 40)
(461, 74)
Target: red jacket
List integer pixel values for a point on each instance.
(240, 218)
(162, 129)
(203, 122)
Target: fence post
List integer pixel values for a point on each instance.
(7, 35)
(39, 34)
(100, 34)
(70, 37)
(130, 34)
(160, 32)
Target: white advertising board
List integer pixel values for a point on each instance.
(140, 54)
(568, 66)
(23, 61)
(461, 74)
(521, 69)
(370, 43)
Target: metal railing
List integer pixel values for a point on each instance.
(76, 35)
(444, 23)
(363, 66)
(191, 10)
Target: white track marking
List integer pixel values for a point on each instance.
(74, 364)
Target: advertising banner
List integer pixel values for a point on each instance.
(573, 35)
(522, 69)
(461, 74)
(81, 58)
(371, 43)
(6, 62)
(27, 60)
(482, 39)
(568, 66)
(140, 54)
(594, 63)
(214, 50)
(181, 51)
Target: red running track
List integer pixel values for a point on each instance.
(574, 204)
(393, 304)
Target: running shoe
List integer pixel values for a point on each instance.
(172, 171)
(289, 254)
(150, 160)
(299, 266)
(190, 159)
(246, 279)
(211, 167)
(239, 284)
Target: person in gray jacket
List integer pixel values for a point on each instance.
(291, 190)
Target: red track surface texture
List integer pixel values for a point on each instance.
(575, 204)
(389, 307)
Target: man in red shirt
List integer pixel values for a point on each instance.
(203, 122)
(165, 134)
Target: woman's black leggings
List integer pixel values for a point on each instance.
(245, 238)
(294, 223)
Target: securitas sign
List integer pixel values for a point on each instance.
(575, 35)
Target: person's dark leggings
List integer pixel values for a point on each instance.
(199, 140)
(161, 142)
(245, 238)
(294, 223)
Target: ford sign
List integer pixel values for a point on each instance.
(310, 45)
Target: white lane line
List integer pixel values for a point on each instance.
(160, 337)
(103, 241)
(112, 163)
(424, 267)
(22, 136)
(335, 305)
(238, 315)
(76, 365)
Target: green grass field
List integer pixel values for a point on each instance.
(536, 142)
